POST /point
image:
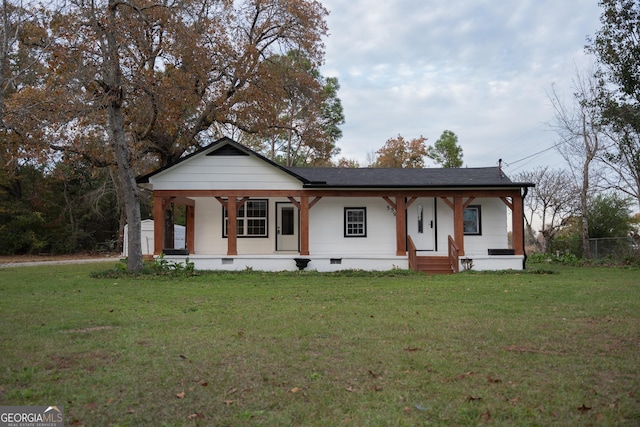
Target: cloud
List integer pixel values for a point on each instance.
(478, 68)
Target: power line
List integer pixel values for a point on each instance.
(509, 164)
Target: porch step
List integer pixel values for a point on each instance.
(434, 265)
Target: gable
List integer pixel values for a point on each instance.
(224, 165)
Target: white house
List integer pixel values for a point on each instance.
(245, 211)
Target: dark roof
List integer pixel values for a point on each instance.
(364, 177)
(417, 178)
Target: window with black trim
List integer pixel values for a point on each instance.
(252, 219)
(355, 222)
(472, 220)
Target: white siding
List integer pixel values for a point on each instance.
(494, 228)
(326, 229)
(493, 217)
(224, 173)
(208, 230)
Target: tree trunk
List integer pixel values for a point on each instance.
(590, 151)
(114, 96)
(129, 189)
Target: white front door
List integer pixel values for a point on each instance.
(421, 223)
(286, 227)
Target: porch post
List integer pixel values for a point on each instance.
(158, 224)
(517, 231)
(401, 227)
(191, 232)
(232, 226)
(458, 223)
(304, 225)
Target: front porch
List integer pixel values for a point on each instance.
(394, 248)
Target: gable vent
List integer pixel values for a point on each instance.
(227, 150)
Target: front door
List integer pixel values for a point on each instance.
(286, 227)
(421, 224)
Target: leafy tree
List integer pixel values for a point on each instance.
(617, 48)
(400, 153)
(609, 216)
(135, 84)
(305, 113)
(446, 151)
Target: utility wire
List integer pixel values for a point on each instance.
(530, 156)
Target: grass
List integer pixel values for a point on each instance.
(324, 349)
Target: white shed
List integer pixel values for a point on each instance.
(147, 237)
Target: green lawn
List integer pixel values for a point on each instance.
(349, 349)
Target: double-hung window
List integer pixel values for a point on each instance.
(252, 219)
(355, 222)
(472, 220)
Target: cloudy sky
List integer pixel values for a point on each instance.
(481, 68)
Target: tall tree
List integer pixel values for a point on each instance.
(580, 129)
(617, 47)
(303, 122)
(138, 83)
(401, 153)
(446, 151)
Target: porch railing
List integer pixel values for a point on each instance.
(454, 254)
(413, 254)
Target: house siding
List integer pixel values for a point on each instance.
(326, 232)
(225, 173)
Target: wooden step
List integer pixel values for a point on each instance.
(434, 265)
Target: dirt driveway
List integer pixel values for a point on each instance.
(31, 260)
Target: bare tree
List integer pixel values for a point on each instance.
(551, 203)
(581, 135)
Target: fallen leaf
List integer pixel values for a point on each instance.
(181, 395)
(463, 376)
(228, 402)
(473, 399)
(91, 406)
(294, 390)
(411, 349)
(492, 380)
(486, 415)
(183, 357)
(204, 383)
(514, 401)
(584, 408)
(110, 401)
(407, 409)
(195, 415)
(377, 388)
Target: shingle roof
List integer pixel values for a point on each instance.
(328, 177)
(417, 178)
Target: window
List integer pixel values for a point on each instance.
(251, 220)
(355, 222)
(471, 217)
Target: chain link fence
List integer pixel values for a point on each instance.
(608, 248)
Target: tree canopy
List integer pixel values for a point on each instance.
(133, 85)
(401, 153)
(446, 151)
(616, 47)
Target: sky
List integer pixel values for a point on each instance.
(480, 68)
